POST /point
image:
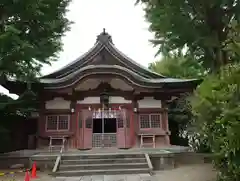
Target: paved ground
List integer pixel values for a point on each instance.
(159, 150)
(199, 172)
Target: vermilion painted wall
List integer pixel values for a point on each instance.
(76, 133)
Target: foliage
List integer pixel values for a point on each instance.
(178, 66)
(14, 114)
(9, 114)
(30, 35)
(209, 31)
(179, 118)
(23, 106)
(216, 110)
(206, 29)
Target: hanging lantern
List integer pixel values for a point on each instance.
(104, 98)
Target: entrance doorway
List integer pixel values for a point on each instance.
(110, 125)
(104, 132)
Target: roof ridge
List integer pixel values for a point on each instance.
(104, 40)
(134, 62)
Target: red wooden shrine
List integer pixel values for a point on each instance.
(104, 99)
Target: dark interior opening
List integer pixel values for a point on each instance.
(110, 125)
(97, 125)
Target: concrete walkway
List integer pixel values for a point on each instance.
(140, 177)
(198, 172)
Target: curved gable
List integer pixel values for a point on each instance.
(104, 53)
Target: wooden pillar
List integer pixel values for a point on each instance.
(165, 121)
(79, 134)
(134, 123)
(73, 119)
(79, 128)
(132, 129)
(41, 123)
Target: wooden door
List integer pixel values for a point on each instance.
(87, 129)
(122, 130)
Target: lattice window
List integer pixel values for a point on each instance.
(57, 122)
(150, 120)
(63, 122)
(155, 120)
(144, 121)
(52, 122)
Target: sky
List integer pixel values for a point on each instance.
(123, 20)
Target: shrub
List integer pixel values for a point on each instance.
(216, 109)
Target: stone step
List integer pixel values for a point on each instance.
(101, 156)
(104, 160)
(75, 173)
(103, 166)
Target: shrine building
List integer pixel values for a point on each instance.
(104, 99)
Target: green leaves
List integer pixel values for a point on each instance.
(216, 106)
(205, 28)
(30, 35)
(178, 66)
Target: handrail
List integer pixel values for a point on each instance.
(57, 162)
(150, 166)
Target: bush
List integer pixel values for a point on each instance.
(216, 109)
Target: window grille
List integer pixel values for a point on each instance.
(57, 122)
(155, 120)
(150, 120)
(144, 121)
(63, 122)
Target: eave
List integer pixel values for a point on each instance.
(108, 70)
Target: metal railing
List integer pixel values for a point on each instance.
(58, 160)
(150, 166)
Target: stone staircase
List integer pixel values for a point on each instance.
(108, 164)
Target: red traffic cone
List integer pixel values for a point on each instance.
(27, 178)
(34, 170)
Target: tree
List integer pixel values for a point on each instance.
(179, 66)
(9, 120)
(205, 28)
(209, 31)
(216, 110)
(30, 35)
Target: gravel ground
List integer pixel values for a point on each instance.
(198, 172)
